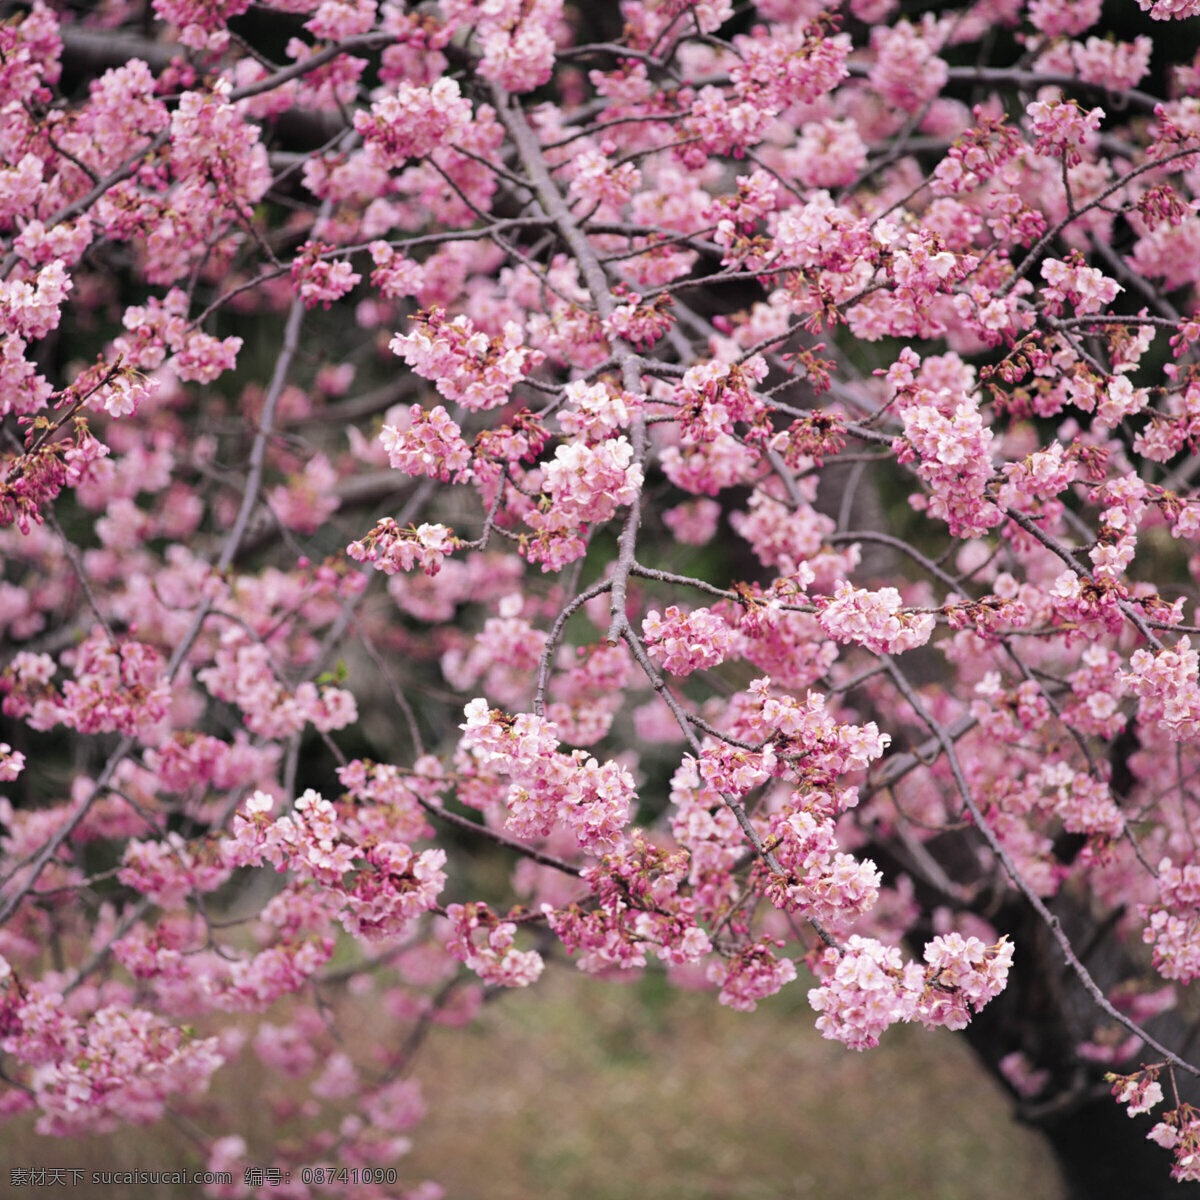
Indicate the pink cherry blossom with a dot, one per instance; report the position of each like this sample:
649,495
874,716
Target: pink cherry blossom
412,121
687,642
381,380
466,365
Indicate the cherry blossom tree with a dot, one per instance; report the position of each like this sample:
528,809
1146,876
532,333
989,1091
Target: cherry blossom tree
733,463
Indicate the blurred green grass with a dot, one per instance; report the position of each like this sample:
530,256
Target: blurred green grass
601,1091
588,1090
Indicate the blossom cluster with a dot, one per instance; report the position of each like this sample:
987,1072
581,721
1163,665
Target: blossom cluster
685,642
824,882
814,745
242,674
116,687
639,902
485,944
753,975
954,453
120,1065
581,485
1173,926
1063,128
874,620
390,549
868,987
413,121
467,366
517,39
391,885
547,787
1168,686
430,443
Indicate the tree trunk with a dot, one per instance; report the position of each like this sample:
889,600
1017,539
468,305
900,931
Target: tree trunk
1045,1012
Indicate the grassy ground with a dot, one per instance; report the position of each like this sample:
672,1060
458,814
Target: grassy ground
603,1092
593,1091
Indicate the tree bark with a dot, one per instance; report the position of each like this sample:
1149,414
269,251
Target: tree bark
1102,1152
